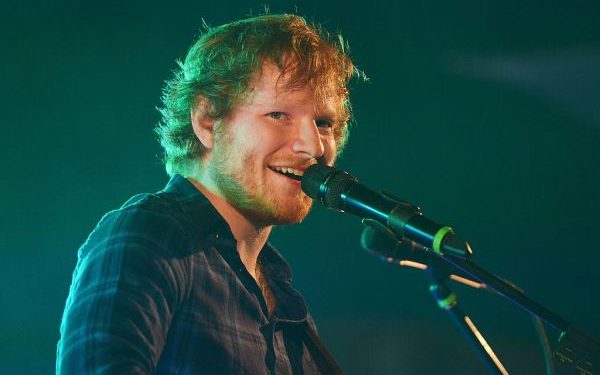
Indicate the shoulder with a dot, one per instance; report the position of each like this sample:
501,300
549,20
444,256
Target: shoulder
153,222
141,247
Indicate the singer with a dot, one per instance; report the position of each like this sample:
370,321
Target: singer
183,281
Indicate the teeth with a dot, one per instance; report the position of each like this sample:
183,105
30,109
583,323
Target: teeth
295,171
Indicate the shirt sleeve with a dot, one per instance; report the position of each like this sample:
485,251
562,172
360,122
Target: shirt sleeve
126,288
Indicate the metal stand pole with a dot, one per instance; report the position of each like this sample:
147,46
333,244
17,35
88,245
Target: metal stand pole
447,300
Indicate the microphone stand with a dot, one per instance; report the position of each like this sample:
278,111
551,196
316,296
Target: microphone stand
447,300
577,353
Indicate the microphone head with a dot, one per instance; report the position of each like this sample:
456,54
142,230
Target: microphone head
326,185
381,243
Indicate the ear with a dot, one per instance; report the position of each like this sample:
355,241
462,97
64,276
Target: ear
202,124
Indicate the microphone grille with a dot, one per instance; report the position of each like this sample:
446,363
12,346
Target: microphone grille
326,184
313,177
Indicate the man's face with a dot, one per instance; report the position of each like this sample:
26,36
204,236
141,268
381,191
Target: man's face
264,145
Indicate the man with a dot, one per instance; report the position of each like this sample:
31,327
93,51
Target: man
184,281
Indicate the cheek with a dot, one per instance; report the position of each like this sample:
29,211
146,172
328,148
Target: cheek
268,139
260,142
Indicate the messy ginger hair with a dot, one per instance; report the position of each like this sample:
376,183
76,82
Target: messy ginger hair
220,66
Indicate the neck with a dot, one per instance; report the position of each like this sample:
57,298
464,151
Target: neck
250,237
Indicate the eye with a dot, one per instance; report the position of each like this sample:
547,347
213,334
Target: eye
325,126
276,115
324,123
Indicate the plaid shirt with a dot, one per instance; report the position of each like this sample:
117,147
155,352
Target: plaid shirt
159,288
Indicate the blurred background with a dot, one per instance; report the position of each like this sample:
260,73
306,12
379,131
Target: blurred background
485,114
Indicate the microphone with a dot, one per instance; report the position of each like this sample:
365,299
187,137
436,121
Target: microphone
378,241
340,191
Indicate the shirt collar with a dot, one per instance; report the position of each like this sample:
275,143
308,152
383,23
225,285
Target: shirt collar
207,222
204,218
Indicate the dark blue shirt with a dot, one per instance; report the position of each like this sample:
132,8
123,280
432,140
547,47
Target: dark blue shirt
159,288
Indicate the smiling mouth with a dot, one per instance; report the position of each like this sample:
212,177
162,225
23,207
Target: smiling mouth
294,174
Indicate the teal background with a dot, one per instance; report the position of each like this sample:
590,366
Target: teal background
486,114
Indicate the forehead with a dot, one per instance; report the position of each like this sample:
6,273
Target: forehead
269,86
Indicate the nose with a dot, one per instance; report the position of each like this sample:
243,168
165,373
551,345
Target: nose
308,140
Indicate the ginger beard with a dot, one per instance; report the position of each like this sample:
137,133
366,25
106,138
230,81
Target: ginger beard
254,190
